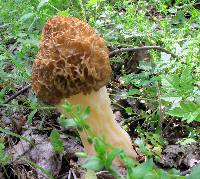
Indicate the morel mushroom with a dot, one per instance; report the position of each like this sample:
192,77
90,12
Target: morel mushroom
73,64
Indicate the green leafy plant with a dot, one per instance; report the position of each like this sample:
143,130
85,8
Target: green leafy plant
166,86
179,92
105,154
4,158
195,173
57,144
188,111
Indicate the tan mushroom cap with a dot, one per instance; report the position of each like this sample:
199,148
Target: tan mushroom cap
72,58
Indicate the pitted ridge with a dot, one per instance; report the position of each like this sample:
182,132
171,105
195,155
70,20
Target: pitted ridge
72,58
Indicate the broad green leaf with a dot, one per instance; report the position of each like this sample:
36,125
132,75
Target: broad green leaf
191,116
179,85
161,174
142,147
142,170
186,141
26,16
67,107
81,154
99,146
90,174
67,122
2,94
86,113
198,118
150,176
172,99
90,139
189,106
63,13
188,111
178,112
114,153
129,110
78,109
195,174
133,92
41,4
30,116
92,2
56,142
2,57
93,163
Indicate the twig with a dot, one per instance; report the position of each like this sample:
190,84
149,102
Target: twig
17,94
121,50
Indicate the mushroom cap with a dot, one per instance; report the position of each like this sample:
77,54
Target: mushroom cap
72,59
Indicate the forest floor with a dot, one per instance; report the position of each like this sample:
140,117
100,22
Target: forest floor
140,98
180,157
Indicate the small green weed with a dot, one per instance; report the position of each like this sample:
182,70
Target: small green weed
167,87
105,154
4,158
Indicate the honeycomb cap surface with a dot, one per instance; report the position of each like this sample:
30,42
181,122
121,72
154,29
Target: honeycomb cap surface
72,59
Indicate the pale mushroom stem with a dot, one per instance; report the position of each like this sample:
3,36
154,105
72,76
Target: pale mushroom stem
102,122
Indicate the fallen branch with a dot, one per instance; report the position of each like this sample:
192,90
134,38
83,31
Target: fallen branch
121,50
17,94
